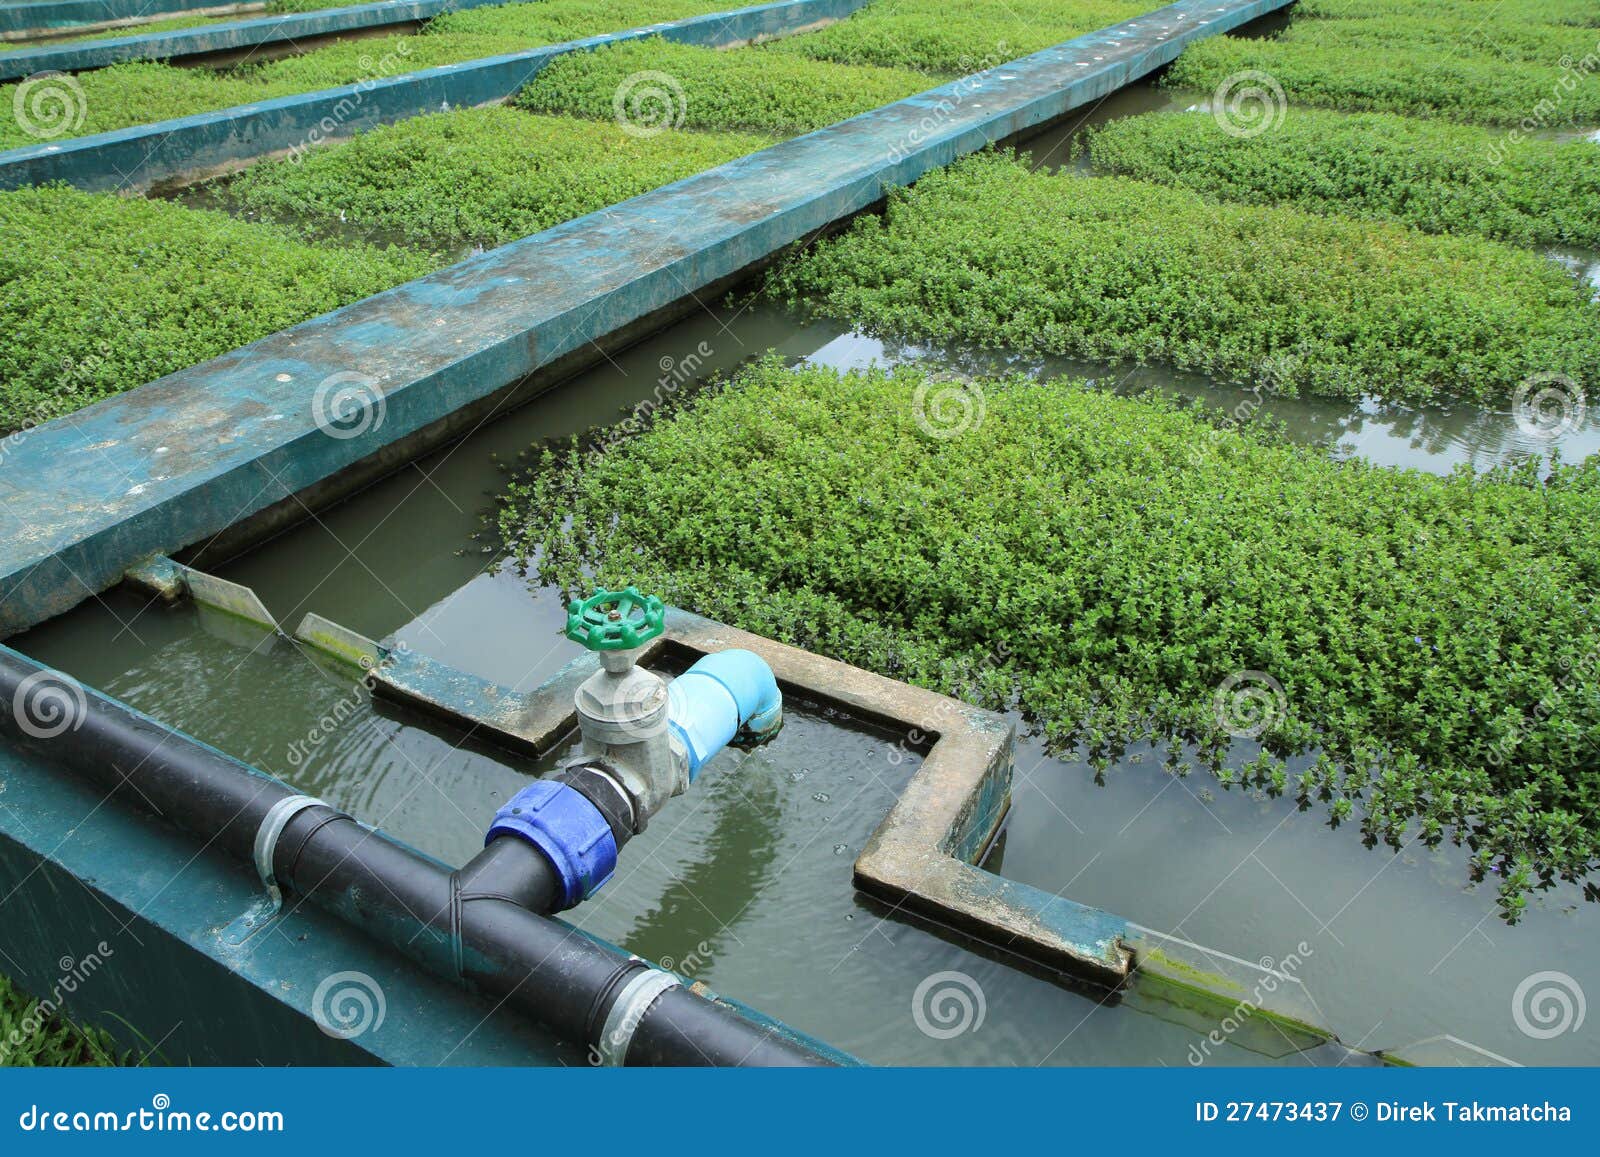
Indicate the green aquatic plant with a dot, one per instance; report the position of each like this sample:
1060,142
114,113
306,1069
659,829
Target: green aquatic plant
946,39
992,253
657,82
1522,63
143,92
99,294
1434,176
479,176
1121,568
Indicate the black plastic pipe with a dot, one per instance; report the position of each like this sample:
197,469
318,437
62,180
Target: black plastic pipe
479,925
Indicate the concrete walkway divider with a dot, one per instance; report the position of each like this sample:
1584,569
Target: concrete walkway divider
192,147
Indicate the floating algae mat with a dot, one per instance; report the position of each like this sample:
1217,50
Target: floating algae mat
102,293
941,38
525,173
758,88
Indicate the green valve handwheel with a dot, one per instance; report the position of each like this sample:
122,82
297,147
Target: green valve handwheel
616,620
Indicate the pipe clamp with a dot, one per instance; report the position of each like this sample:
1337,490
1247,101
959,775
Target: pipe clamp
272,825
627,1011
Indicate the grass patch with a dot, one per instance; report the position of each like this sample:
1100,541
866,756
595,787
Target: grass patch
143,92
481,176
990,253
1496,64
750,88
1438,177
1108,563
947,39
99,294
29,1040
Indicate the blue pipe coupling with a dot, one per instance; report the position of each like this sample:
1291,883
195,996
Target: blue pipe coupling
719,697
572,832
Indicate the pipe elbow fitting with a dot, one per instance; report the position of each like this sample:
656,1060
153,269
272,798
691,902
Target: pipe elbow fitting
720,697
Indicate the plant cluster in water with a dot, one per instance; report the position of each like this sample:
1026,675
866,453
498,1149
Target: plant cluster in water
1488,63
1431,175
1418,653
955,39
991,253
752,88
478,176
100,293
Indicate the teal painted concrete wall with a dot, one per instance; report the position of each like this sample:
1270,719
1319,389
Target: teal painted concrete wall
88,886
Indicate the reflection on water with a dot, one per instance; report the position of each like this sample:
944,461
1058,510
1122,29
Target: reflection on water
1435,438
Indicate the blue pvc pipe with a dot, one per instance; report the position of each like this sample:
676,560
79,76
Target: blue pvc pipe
710,702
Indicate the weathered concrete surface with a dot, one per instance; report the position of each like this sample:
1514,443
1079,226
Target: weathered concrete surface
208,143
71,15
223,36
181,459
